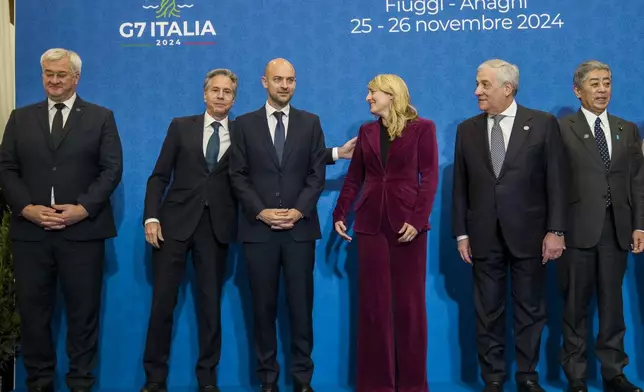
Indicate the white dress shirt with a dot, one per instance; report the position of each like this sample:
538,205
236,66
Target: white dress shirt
69,103
272,120
272,124
591,118
208,131
224,135
506,125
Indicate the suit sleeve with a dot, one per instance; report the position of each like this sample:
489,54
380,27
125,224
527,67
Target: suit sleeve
328,156
14,189
637,179
428,173
248,198
307,200
555,176
352,182
459,187
160,177
110,163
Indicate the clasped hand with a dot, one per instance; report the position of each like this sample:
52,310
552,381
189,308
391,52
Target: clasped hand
56,217
280,218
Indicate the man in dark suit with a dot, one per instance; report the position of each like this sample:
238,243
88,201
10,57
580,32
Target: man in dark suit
277,171
60,161
508,211
199,215
606,219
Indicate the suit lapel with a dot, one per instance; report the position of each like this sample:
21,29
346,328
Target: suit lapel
584,133
519,134
196,139
480,138
372,134
75,115
43,120
616,136
264,134
292,134
221,165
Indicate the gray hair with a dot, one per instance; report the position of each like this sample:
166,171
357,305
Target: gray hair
224,72
505,73
58,54
583,69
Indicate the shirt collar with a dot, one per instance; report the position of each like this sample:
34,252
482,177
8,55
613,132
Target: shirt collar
592,117
69,103
208,120
511,111
270,110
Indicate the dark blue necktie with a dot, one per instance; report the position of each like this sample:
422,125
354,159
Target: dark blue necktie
212,150
602,145
280,136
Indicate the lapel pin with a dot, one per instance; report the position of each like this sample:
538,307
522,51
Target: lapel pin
78,109
617,136
586,136
526,128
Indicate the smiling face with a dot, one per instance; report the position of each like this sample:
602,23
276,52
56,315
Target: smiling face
595,91
59,79
379,102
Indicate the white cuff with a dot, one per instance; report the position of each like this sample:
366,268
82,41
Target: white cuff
462,237
335,154
151,220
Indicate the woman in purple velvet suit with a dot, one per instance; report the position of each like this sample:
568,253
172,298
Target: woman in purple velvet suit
395,163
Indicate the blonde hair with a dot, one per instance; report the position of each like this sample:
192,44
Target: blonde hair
401,111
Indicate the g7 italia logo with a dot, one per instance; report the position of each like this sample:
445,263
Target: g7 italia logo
169,24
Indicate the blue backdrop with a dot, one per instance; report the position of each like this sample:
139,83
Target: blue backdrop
146,61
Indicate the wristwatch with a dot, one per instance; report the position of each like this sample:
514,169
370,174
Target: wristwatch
556,232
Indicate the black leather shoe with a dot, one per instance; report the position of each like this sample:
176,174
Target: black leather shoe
577,386
302,388
493,386
620,384
154,387
530,386
208,388
270,387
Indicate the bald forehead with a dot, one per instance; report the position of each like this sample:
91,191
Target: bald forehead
279,67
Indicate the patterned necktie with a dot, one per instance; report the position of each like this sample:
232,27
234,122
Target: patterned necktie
497,145
280,136
212,150
57,124
602,145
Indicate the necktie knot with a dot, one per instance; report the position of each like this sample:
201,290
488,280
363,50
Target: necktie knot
278,115
59,106
497,119
598,123
215,126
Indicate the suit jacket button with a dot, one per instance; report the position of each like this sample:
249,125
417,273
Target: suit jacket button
53,168
277,194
